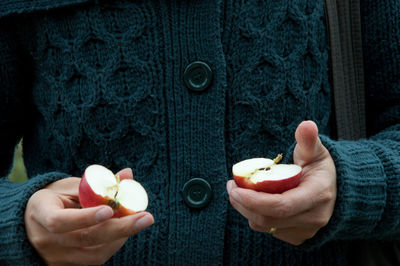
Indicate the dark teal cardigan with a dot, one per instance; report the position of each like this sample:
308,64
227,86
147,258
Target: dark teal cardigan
88,82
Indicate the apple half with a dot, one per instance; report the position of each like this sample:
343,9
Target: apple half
266,175
100,186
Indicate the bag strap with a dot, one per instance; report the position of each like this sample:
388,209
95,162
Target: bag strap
347,73
347,76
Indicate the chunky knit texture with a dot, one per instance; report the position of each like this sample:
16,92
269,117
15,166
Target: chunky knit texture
88,82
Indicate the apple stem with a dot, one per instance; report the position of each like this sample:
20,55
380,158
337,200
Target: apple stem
276,161
118,180
278,158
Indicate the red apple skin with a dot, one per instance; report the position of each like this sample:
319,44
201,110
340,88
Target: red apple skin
88,198
269,186
121,211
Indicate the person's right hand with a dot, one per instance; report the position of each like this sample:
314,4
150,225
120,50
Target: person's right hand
63,234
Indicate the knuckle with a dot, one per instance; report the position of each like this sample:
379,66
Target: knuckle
261,221
252,207
87,238
35,198
321,222
257,227
29,215
253,204
283,209
39,242
254,226
327,196
249,203
52,223
309,234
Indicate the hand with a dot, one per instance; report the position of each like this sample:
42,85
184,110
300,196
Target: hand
63,234
299,213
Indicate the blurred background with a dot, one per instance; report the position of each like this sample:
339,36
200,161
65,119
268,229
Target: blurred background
18,173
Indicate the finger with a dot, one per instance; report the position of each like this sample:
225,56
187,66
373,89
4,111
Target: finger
274,205
67,191
259,222
108,231
56,219
292,202
70,202
266,204
312,219
125,174
309,146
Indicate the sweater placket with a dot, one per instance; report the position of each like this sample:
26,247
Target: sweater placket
196,137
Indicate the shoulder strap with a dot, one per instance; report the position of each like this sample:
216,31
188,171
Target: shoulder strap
347,73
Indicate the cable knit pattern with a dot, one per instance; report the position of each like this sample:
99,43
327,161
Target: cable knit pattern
266,40
101,81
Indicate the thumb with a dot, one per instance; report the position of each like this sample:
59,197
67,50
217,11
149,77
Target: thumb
309,146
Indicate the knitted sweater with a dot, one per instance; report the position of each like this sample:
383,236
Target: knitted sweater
87,82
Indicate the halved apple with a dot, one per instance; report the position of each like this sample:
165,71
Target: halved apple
100,186
266,175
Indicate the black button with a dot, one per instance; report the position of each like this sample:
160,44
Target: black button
197,193
197,76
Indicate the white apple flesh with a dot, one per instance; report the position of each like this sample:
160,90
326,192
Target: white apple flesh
266,175
100,186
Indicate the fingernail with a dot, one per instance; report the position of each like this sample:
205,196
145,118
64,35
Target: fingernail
144,222
103,214
236,196
229,187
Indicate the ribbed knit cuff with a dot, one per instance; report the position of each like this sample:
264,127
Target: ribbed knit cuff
15,248
361,192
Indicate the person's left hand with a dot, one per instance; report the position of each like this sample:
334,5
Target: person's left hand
297,214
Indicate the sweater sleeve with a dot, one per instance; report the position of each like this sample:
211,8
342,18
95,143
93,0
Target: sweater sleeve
368,170
15,248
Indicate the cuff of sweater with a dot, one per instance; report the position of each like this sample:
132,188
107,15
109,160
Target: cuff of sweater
15,248
361,192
